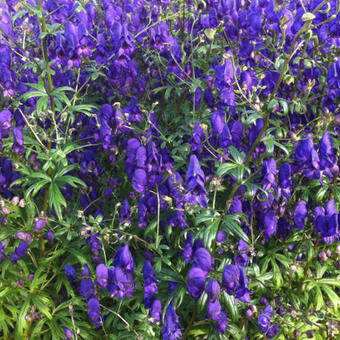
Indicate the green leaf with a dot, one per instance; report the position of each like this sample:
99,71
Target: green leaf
210,232
232,228
237,156
272,105
71,180
332,295
21,323
308,16
225,168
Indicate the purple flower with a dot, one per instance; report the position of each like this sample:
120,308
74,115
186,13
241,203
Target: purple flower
195,179
2,252
213,290
19,252
120,284
5,122
171,329
300,214
124,259
264,319
39,225
49,236
222,322
269,223
87,289
139,180
156,310
235,282
202,260
213,310
68,333
102,276
268,174
70,273
272,331
93,312
150,284
18,145
196,282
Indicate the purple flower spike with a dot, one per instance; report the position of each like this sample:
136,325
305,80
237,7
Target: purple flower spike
156,310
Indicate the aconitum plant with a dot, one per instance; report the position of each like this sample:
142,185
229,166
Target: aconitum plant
169,169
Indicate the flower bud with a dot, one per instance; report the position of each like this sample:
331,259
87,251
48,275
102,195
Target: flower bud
296,333
322,257
310,334
249,313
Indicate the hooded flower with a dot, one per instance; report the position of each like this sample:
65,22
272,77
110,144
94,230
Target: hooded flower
156,310
196,282
202,260
102,275
150,284
195,178
70,273
19,252
269,174
300,214
123,259
213,290
171,329
87,289
235,282
264,319
93,312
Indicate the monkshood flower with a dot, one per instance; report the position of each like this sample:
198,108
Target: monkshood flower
125,215
213,290
197,138
5,123
235,282
39,225
23,236
327,223
268,174
156,310
272,331
120,283
70,273
102,275
196,282
49,236
188,248
150,284
171,328
300,214
18,137
195,179
93,312
222,323
68,333
264,319
87,289
285,181
19,252
327,153
213,310
269,223
123,259
2,252
202,260
242,259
